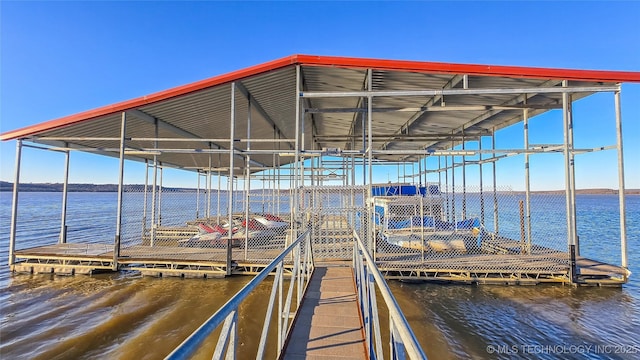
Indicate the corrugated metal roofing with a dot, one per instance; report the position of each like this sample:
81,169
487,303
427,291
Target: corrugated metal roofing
202,109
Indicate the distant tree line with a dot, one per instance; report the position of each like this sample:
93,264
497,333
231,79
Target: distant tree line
57,187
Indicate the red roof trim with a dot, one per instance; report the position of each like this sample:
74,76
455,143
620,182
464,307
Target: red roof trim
311,60
486,70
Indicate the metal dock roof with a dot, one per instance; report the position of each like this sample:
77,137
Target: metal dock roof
416,106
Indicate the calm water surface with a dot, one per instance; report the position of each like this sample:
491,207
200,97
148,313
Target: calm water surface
126,316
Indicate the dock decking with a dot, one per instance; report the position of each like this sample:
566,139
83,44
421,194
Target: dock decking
394,262
328,324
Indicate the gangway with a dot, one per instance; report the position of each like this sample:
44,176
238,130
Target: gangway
335,312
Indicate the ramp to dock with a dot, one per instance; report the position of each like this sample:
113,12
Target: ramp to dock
328,324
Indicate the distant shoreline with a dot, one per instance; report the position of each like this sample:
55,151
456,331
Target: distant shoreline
57,187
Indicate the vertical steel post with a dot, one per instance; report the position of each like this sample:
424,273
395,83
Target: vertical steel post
116,245
364,150
294,207
372,235
154,189
208,179
569,196
247,180
419,174
198,195
527,183
232,136
278,185
144,200
572,180
464,179
453,183
160,194
219,185
495,184
621,185
63,224
439,174
481,185
446,185
14,204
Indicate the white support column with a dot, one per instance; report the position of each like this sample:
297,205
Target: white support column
569,193
116,245
621,185
247,180
198,195
154,190
63,221
481,180
219,186
161,169
527,185
232,136
464,179
208,179
446,187
296,171
372,229
14,204
144,200
496,223
453,184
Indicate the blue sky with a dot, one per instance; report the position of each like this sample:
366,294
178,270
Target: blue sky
59,58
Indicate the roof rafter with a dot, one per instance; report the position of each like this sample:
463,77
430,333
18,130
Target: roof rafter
256,104
455,80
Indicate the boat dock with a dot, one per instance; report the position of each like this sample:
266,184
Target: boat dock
390,166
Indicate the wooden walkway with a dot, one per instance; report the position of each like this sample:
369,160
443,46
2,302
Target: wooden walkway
328,325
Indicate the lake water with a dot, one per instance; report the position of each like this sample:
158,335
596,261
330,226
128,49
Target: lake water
127,316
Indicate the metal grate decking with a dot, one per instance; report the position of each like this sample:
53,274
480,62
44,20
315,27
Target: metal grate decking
513,269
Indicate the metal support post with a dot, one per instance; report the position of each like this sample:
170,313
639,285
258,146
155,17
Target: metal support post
294,207
480,165
446,186
219,187
569,195
144,200
527,186
232,136
453,185
160,194
247,181
419,174
198,195
439,174
372,232
464,179
621,186
63,224
116,245
154,190
208,179
496,223
14,204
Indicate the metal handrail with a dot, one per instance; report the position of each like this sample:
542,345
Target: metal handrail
228,313
403,342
